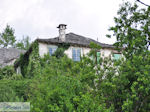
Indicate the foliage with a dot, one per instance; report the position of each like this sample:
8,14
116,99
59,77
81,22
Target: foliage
60,92
14,90
132,29
61,49
33,67
13,87
7,94
61,86
24,43
6,72
93,53
30,61
7,38
131,84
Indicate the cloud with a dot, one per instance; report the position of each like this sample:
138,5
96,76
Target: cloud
39,18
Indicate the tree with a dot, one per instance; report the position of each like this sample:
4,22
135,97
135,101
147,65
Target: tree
59,87
24,43
131,84
7,38
132,29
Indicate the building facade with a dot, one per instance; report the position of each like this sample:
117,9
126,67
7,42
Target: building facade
79,45
9,55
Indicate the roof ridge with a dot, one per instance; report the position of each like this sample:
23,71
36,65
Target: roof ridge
89,38
73,38
81,36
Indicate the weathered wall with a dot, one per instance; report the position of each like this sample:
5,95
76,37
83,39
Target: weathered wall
43,49
11,62
8,63
84,51
105,52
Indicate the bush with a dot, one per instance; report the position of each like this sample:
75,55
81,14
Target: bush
7,92
6,72
60,94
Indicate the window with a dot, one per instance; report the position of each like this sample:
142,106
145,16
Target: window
76,52
18,70
52,49
116,56
98,56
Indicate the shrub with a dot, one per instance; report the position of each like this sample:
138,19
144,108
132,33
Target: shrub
6,72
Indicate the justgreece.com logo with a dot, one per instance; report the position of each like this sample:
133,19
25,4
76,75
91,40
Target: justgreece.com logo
14,106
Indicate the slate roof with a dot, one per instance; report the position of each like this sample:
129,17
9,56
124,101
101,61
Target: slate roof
7,55
74,39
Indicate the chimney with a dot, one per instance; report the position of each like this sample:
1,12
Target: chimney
62,34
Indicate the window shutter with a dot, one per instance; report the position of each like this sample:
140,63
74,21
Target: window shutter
78,54
74,54
98,56
117,56
50,51
53,50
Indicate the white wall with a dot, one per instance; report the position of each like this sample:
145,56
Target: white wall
43,49
84,51
10,62
106,52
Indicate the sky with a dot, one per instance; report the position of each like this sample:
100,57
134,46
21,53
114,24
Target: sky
39,18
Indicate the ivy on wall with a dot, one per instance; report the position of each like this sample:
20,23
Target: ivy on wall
61,49
34,61
30,61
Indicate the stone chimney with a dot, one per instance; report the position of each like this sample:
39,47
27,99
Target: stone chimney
62,32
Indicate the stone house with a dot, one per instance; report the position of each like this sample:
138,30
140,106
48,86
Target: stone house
9,55
79,45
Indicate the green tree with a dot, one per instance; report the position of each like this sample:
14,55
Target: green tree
24,43
56,90
6,72
7,38
132,29
131,81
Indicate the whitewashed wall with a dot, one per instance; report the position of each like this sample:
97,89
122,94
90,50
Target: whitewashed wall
43,49
106,52
84,51
8,63
11,62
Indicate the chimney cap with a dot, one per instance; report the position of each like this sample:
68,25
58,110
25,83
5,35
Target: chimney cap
62,25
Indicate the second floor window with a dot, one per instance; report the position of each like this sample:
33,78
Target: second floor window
76,53
116,56
52,49
98,56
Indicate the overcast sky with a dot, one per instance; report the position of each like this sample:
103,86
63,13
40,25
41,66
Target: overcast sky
39,18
